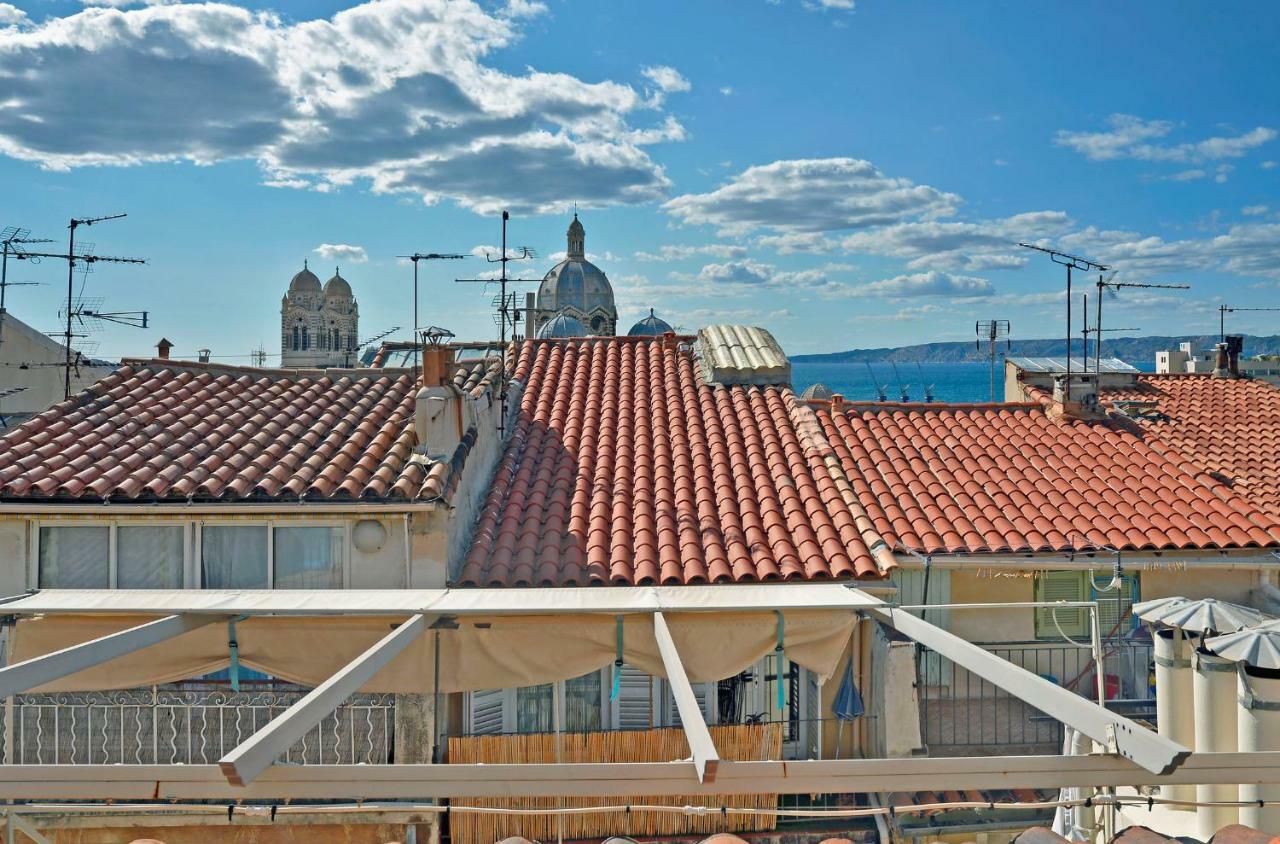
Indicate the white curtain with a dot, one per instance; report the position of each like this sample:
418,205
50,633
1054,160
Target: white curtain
75,557
308,558
234,557
149,557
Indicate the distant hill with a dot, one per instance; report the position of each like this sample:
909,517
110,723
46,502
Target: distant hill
1130,349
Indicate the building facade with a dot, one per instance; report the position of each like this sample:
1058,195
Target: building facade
577,290
318,324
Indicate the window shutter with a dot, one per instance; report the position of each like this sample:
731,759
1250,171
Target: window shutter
633,710
1111,610
487,712
1061,586
704,693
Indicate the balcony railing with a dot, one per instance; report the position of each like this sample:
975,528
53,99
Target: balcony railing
962,714
186,724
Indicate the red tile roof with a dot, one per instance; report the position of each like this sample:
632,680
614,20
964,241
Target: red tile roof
1008,478
624,466
1227,426
167,430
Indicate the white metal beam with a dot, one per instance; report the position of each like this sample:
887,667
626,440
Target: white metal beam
53,666
705,757
1129,739
658,779
260,750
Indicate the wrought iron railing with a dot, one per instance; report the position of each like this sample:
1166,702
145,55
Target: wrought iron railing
186,724
961,713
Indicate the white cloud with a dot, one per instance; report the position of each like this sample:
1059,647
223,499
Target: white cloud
1132,137
668,79
1254,210
907,314
727,90
679,252
12,16
793,242
1186,175
968,246
398,95
1268,165
930,283
343,252
747,272
811,195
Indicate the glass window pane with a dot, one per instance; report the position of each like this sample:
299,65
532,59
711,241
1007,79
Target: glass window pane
75,558
233,557
533,709
308,558
582,696
149,557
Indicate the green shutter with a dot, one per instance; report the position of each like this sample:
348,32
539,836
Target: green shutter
1061,586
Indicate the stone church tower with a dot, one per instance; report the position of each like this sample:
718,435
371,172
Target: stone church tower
318,325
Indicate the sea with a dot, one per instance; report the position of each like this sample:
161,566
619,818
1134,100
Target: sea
944,382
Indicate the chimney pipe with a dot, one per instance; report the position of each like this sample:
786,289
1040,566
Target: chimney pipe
1221,361
1235,345
437,365
203,355
163,347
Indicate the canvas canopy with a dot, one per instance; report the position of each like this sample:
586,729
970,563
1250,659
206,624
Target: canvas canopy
487,639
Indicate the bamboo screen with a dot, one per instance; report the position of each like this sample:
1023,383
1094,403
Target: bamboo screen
750,742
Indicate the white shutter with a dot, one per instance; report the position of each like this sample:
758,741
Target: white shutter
1061,586
634,709
704,693
487,712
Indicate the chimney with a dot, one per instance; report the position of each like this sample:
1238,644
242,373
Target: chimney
1083,403
437,365
203,355
1221,361
438,409
1235,345
531,315
163,348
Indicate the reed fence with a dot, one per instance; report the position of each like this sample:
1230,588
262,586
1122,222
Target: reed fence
748,742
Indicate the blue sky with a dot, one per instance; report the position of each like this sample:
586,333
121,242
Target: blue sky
848,176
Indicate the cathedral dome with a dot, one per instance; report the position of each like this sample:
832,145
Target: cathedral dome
305,281
650,326
337,286
579,288
817,392
562,325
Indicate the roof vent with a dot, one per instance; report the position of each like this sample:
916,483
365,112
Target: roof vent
741,354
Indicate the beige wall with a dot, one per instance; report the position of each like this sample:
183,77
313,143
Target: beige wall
1009,625
13,557
22,344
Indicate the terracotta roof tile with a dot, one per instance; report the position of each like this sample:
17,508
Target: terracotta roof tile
1008,478
625,466
170,430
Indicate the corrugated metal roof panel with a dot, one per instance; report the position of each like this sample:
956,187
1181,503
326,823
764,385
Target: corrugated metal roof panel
741,354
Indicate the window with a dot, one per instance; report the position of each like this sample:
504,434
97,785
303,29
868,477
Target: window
530,709
306,340
234,557
1114,617
149,557
308,557
297,338
75,557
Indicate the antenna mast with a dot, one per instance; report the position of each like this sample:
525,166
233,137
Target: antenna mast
11,239
413,326
507,313
1223,310
1071,262
1105,283
992,330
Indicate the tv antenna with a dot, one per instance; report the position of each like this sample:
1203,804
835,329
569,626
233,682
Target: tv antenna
416,257
375,338
1106,283
507,314
928,391
881,395
903,395
11,240
1071,262
259,356
1097,333
86,257
993,331
1223,310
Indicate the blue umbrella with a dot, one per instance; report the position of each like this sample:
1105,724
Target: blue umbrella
848,704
